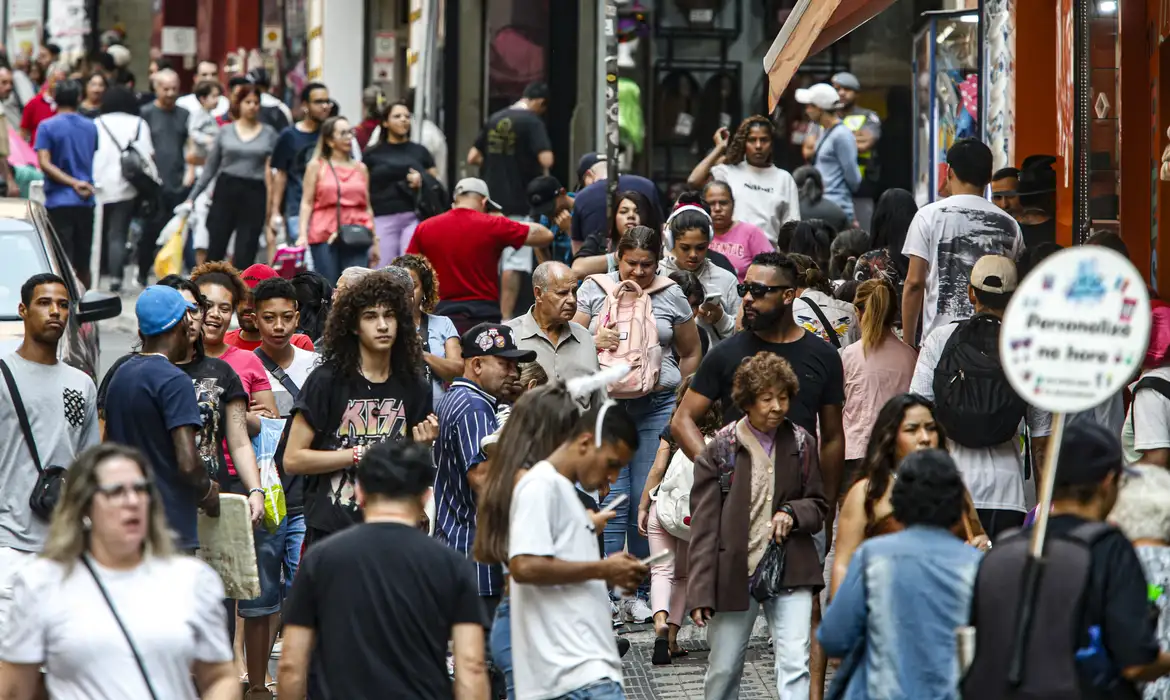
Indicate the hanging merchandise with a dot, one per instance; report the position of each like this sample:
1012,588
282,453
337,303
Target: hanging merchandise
700,13
676,103
720,106
632,126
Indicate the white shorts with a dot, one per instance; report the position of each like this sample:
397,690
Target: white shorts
12,562
517,259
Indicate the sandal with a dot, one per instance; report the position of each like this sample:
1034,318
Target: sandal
678,653
662,655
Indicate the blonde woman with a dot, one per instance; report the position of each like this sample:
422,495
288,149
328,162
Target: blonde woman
109,610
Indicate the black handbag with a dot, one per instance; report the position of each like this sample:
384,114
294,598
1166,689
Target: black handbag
50,480
349,235
765,583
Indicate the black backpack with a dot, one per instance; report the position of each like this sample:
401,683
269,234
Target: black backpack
973,399
135,169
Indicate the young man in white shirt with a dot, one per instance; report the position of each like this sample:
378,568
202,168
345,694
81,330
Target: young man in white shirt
562,640
765,195
947,237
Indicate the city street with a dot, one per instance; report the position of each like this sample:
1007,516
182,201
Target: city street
118,335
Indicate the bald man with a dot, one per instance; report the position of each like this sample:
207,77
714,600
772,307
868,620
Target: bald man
168,135
564,349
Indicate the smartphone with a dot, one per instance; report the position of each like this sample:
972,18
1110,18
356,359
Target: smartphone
716,297
617,501
656,558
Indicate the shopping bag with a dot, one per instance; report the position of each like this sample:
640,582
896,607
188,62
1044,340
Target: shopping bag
169,260
766,582
265,444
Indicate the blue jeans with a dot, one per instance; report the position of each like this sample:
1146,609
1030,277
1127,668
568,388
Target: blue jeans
293,540
650,413
331,260
601,690
500,641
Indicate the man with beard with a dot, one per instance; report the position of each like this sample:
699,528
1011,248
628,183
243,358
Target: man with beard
247,336
565,350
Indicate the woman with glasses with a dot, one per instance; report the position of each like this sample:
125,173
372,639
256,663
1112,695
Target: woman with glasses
396,176
109,610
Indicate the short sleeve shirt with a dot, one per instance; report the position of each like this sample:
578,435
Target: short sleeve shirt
440,329
1147,427
71,141
168,132
464,246
510,142
291,155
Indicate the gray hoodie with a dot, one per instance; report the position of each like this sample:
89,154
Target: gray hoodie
714,279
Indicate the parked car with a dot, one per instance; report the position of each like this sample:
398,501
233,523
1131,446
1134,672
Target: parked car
29,246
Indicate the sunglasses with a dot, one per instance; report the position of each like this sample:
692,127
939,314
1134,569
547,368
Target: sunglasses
758,290
119,492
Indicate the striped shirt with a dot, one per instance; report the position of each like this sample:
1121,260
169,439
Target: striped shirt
467,414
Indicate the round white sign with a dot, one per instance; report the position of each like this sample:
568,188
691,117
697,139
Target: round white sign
1076,329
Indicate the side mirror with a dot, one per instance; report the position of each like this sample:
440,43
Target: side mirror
98,306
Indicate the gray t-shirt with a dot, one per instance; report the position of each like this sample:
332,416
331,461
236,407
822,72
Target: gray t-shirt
168,133
61,403
231,155
671,308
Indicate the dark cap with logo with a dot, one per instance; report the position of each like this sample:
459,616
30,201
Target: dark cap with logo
542,195
1089,452
493,340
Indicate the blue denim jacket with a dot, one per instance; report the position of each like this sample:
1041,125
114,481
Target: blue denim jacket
907,593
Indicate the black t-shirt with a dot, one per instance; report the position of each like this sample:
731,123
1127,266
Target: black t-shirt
389,164
510,142
399,593
816,364
1035,234
345,411
216,385
589,206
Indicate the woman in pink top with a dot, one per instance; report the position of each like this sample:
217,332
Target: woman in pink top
738,241
334,175
876,369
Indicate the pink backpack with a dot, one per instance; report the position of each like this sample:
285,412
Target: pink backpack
629,308
289,260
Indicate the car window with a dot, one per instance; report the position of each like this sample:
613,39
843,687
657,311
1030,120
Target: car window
23,255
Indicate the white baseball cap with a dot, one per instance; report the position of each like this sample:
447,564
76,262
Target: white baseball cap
820,95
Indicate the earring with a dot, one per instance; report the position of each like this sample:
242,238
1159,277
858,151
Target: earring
86,523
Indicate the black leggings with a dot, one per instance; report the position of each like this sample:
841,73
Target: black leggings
238,205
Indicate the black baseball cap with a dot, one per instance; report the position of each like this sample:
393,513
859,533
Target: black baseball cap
1089,452
542,195
587,162
493,340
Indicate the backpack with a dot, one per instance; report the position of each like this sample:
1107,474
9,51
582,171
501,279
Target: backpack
674,496
629,308
135,168
1051,669
974,401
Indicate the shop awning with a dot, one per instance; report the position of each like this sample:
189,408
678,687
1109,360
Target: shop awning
811,26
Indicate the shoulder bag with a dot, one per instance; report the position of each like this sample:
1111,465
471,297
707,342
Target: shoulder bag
121,626
820,314
349,235
278,372
51,480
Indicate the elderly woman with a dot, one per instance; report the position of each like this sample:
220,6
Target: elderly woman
109,610
776,497
440,341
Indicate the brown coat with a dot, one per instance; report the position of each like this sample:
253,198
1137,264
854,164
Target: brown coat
718,553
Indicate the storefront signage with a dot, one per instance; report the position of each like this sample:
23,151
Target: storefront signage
385,46
316,43
1076,330
179,41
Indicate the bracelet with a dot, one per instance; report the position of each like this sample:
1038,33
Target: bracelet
210,486
252,491
358,452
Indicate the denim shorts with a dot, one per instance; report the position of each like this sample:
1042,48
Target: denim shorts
269,559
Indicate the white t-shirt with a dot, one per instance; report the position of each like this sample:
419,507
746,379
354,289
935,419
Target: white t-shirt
172,609
766,197
562,636
1147,427
951,235
994,475
303,363
126,129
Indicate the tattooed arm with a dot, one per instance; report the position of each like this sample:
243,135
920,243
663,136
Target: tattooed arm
243,457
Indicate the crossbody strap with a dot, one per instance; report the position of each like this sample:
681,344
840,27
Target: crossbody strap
821,142
278,372
121,626
21,414
829,330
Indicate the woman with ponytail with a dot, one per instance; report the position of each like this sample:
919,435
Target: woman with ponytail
832,320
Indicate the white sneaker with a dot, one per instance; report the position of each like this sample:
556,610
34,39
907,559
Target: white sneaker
636,610
616,614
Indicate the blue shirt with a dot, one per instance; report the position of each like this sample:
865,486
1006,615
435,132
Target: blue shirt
836,159
905,595
147,398
71,141
467,415
291,155
589,206
440,329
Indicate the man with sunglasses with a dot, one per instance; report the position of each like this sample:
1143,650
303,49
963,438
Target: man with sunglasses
291,155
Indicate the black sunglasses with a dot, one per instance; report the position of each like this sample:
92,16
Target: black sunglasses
758,290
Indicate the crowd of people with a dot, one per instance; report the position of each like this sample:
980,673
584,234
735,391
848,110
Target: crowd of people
732,409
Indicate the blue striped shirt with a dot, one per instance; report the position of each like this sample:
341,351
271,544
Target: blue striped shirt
467,414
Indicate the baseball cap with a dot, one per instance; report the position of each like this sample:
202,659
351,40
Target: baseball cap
160,309
820,95
255,274
473,185
1089,452
493,340
542,195
587,162
847,81
994,274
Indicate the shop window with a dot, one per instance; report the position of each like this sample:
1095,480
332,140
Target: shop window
516,38
1105,114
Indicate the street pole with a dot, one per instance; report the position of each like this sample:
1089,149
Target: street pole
611,110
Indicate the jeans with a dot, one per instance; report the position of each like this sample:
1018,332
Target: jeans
650,413
668,579
500,644
294,540
728,633
601,690
330,261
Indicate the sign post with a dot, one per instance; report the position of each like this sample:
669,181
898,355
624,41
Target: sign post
1073,336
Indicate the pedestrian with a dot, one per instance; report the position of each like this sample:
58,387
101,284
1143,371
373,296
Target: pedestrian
766,194
367,389
814,205
205,72
779,502
638,256
690,230
844,251
247,336
13,108
119,129
892,217
336,198
273,112
314,299
385,585
816,309
151,406
110,555
66,144
44,105
1005,185
552,207
591,205
168,134
464,245
738,241
564,348
512,150
396,168
835,153
291,157
94,90
947,237
867,132
992,470
696,295
442,351
563,645
890,578
596,254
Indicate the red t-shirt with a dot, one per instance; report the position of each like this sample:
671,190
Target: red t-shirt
233,339
36,111
464,247
252,376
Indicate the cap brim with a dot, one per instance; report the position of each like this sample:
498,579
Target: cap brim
492,205
517,354
545,209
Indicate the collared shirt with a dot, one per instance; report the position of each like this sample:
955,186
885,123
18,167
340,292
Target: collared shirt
574,355
467,414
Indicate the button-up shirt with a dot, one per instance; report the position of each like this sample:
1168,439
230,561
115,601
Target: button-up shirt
574,354
467,414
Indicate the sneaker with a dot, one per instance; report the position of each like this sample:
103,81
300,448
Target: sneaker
635,610
616,614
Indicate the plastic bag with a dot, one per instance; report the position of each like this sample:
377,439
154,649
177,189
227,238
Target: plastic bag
169,260
265,444
765,582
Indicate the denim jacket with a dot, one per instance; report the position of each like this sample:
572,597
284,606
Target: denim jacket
907,593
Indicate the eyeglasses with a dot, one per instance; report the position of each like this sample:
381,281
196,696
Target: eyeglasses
758,290
344,134
321,102
119,492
